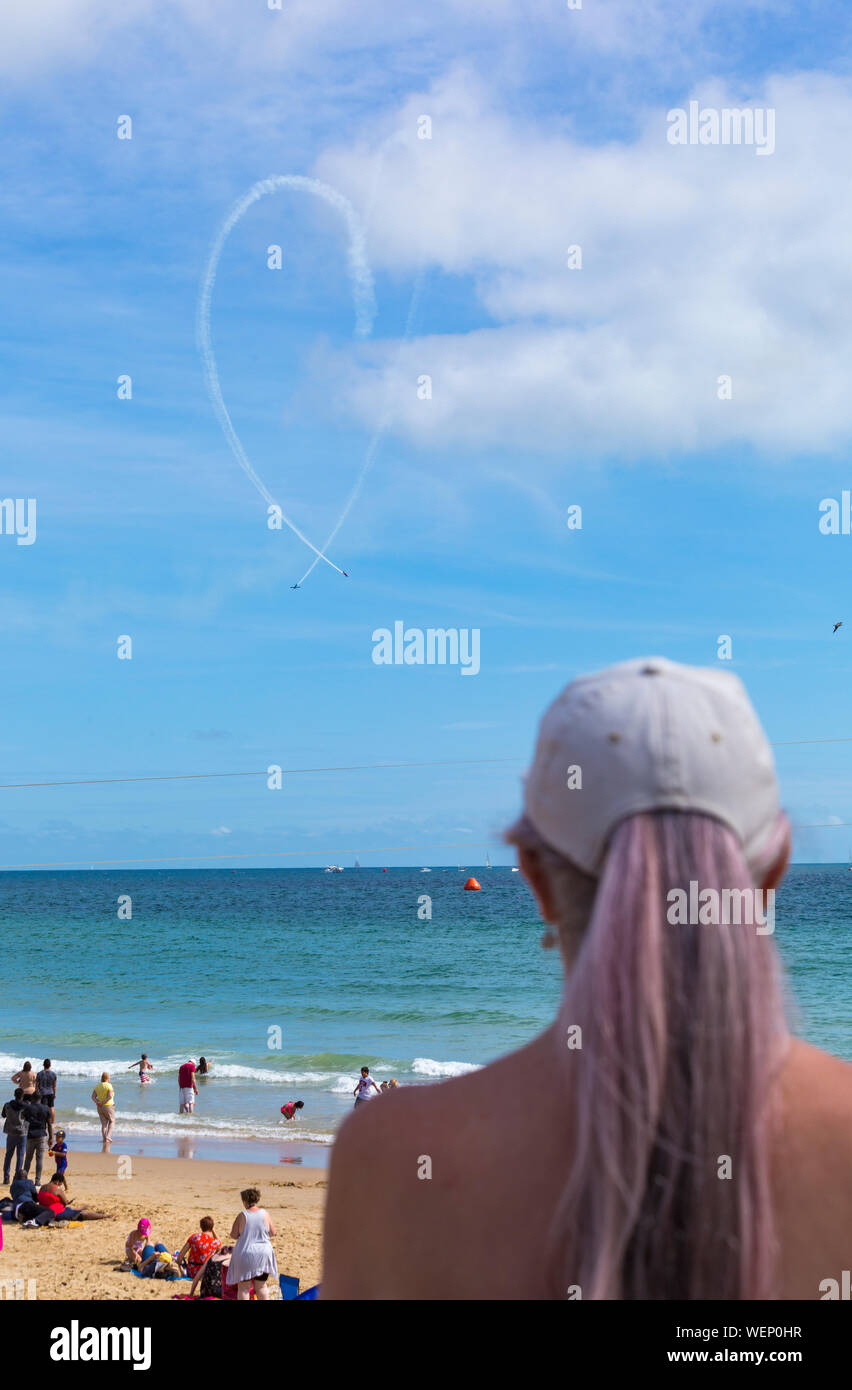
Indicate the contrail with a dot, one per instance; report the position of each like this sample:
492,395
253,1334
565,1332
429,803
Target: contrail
365,311
378,435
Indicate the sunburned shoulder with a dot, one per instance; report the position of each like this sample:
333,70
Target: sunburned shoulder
455,1113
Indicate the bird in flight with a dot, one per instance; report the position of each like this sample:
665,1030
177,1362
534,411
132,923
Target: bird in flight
836,626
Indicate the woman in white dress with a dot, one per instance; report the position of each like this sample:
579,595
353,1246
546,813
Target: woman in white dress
253,1260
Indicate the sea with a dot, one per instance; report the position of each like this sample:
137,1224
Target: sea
289,980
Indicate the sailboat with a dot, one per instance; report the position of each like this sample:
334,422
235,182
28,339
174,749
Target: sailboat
487,860
357,864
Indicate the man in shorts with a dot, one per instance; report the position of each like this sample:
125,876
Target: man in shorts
46,1087
188,1088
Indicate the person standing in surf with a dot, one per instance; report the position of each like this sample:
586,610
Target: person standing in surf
187,1087
143,1066
362,1090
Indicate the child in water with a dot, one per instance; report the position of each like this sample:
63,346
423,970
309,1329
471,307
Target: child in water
289,1110
143,1066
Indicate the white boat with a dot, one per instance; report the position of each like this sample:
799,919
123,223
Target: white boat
333,869
425,871
487,860
516,871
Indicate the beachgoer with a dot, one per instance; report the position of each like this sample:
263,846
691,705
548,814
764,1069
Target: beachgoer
383,1087
104,1097
26,1079
59,1151
15,1130
210,1280
143,1066
54,1197
199,1247
46,1088
24,1193
203,1066
289,1110
362,1090
158,1263
136,1241
253,1259
670,1047
393,1085
187,1087
37,1117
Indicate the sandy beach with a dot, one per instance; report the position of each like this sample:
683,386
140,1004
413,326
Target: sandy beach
82,1261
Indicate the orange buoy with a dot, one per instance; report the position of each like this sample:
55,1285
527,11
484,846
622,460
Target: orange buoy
472,886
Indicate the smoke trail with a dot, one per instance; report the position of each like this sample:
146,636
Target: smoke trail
365,311
378,434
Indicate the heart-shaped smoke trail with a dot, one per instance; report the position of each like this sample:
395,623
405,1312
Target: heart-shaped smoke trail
375,441
363,294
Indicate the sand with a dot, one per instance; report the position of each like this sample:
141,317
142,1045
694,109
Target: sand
174,1193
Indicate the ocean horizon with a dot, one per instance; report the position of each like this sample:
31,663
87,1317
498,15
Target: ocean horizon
289,980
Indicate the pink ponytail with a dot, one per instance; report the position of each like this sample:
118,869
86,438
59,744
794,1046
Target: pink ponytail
682,1029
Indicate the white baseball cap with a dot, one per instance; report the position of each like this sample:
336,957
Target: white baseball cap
649,735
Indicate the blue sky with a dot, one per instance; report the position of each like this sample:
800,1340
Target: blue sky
550,387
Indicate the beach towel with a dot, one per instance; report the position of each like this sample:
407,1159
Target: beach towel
309,1294
289,1287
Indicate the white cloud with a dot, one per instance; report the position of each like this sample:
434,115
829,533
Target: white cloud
698,262
221,830
409,38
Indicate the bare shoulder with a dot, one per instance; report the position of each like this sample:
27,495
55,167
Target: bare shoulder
458,1111
414,1181
818,1087
811,1165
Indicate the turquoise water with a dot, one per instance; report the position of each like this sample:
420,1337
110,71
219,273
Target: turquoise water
215,961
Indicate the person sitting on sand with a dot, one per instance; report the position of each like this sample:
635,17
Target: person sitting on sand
26,1079
210,1280
199,1247
670,1051
54,1196
253,1259
24,1194
136,1241
289,1110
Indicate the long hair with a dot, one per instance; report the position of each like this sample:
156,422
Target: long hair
681,1030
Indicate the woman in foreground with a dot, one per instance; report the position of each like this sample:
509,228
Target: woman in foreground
253,1258
669,1139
